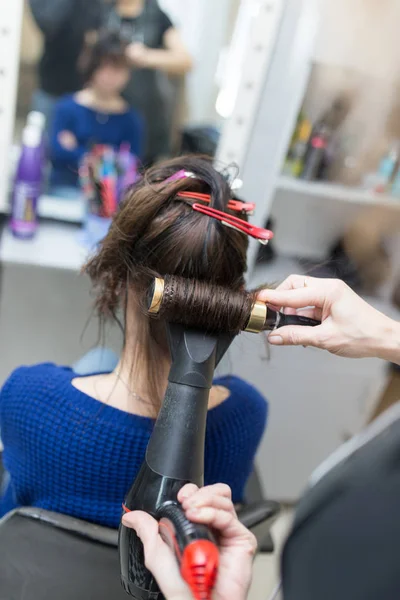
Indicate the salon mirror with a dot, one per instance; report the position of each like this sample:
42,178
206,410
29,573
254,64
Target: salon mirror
178,104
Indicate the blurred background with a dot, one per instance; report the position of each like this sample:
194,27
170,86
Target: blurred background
297,100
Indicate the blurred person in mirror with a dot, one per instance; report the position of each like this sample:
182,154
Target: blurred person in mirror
157,54
95,115
64,24
73,444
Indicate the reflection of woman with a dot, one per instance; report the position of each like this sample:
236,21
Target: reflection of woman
74,444
155,51
95,115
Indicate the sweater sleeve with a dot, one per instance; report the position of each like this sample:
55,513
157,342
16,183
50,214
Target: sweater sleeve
234,432
6,392
64,120
6,389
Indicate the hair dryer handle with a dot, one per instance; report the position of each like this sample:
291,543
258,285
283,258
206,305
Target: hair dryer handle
194,547
297,320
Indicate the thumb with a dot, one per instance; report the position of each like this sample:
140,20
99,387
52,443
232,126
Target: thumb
294,335
147,531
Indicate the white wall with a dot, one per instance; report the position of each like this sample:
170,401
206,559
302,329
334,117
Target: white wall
360,34
204,25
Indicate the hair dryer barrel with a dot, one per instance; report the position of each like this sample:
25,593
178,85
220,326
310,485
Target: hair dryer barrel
174,457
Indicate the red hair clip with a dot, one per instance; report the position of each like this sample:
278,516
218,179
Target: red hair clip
236,205
262,235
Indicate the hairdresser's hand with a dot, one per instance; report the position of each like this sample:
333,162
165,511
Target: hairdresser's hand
212,506
67,140
139,55
350,326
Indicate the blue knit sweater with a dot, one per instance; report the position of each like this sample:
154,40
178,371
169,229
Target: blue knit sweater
65,451
88,129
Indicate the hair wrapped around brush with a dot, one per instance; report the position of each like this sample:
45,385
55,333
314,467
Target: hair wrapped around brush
200,305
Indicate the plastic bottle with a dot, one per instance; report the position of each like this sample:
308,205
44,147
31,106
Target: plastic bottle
27,185
38,119
388,167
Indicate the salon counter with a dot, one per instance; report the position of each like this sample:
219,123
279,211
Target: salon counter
56,246
57,243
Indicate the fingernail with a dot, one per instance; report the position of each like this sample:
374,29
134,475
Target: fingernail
277,340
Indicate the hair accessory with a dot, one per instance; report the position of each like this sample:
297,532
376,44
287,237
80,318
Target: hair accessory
236,205
260,234
182,174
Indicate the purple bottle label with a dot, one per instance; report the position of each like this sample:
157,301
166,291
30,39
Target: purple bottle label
24,216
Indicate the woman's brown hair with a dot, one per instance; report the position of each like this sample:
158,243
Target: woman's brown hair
154,234
108,49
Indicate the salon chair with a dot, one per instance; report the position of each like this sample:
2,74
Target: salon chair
49,556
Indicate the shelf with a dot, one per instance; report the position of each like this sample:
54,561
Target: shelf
332,191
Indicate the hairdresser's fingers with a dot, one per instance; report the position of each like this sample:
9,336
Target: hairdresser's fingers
293,282
289,311
226,523
209,499
295,335
158,557
218,489
187,491
310,313
218,495
299,298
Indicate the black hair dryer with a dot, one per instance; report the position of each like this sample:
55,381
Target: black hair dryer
174,457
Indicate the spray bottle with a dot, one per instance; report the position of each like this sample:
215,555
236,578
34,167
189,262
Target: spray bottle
38,120
27,185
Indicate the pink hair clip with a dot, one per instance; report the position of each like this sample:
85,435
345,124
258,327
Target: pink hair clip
182,174
260,234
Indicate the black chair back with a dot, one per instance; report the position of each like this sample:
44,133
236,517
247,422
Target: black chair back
46,556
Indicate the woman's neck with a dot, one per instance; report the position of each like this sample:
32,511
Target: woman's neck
136,377
130,9
95,99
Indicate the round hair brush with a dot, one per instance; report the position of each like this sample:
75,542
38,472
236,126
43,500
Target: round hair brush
214,308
